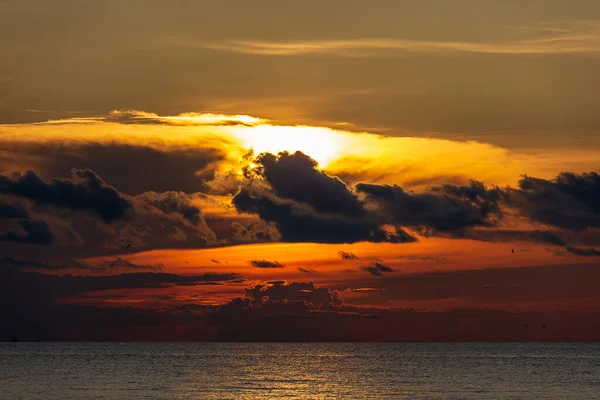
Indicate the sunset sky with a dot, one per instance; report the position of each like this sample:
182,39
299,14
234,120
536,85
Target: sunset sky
316,170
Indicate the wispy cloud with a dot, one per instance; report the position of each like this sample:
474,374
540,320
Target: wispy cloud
184,119
541,40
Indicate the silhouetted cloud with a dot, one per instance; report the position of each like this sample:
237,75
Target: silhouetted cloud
37,232
29,306
316,207
296,291
296,177
173,203
297,224
308,270
554,239
23,264
584,252
447,209
12,210
348,256
570,201
65,286
85,191
266,264
121,263
130,168
376,269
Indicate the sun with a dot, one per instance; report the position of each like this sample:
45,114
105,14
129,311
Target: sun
322,144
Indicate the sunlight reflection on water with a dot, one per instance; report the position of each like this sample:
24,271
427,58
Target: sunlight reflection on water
298,370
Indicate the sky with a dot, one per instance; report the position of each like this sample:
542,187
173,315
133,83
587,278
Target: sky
300,171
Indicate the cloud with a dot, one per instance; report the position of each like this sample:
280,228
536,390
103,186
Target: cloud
447,209
296,177
151,220
121,263
570,201
348,256
297,224
376,269
553,238
559,42
266,264
584,252
65,286
319,209
282,292
85,191
37,232
36,305
41,265
307,270
531,287
173,203
184,119
131,168
12,210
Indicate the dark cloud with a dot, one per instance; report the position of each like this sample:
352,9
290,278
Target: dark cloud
376,269
66,286
307,270
32,307
570,201
280,291
528,287
423,258
348,256
153,221
297,224
304,312
274,305
266,264
85,191
173,203
308,205
308,212
20,264
446,209
281,313
130,168
555,239
121,263
16,210
296,177
36,232
547,237
584,252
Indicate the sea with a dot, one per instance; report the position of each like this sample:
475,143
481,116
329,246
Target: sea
299,371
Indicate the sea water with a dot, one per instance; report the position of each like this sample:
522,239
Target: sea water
299,370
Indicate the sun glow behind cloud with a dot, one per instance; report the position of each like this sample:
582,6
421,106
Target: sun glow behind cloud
322,144
353,156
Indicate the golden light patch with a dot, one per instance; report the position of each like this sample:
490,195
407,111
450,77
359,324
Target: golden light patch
412,162
322,144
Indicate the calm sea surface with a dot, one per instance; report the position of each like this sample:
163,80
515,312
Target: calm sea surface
290,370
